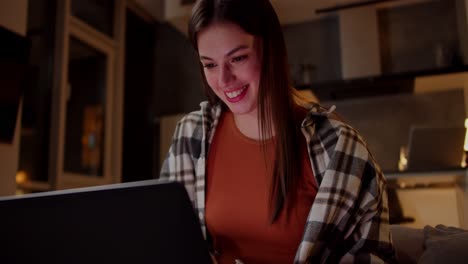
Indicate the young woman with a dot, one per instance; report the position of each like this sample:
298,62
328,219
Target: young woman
271,181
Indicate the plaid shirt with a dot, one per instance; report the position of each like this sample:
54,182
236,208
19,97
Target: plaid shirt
349,219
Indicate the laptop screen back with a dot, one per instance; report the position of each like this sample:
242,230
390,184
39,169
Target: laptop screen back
142,222
435,148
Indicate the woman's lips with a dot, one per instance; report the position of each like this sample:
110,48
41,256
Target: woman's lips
236,95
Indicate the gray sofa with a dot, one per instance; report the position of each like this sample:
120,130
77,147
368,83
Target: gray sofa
440,244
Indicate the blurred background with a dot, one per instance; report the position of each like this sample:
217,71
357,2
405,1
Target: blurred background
91,90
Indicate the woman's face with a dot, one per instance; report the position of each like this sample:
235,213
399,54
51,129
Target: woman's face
231,59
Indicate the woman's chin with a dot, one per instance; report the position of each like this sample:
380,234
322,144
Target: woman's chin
242,110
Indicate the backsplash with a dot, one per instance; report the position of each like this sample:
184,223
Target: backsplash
385,121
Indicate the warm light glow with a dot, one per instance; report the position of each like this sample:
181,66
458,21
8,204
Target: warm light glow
403,161
463,162
21,177
466,136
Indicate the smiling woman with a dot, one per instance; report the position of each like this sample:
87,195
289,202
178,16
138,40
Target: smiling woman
272,181
231,61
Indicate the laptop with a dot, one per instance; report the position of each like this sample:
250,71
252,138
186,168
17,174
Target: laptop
435,148
140,222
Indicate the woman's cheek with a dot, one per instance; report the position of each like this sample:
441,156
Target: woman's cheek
210,81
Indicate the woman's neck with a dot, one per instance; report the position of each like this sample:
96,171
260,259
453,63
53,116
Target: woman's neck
248,125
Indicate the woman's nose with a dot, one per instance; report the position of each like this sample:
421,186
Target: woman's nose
226,76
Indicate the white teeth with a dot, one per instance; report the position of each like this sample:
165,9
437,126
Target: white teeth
236,93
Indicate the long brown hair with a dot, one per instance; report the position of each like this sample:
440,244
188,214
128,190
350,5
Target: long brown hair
275,100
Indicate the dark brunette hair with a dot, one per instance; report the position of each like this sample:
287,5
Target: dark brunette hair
275,96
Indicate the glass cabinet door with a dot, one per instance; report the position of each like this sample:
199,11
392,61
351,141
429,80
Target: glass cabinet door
85,116
72,119
71,133
99,14
88,93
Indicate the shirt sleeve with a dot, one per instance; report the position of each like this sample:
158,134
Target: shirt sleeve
178,164
348,221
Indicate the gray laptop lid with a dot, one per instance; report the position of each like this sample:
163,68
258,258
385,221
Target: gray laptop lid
435,148
141,222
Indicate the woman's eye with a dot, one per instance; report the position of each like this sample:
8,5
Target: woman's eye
240,58
209,65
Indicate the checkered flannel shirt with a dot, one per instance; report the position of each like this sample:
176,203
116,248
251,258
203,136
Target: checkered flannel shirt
349,219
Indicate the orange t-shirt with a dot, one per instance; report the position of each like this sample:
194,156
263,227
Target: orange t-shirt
238,194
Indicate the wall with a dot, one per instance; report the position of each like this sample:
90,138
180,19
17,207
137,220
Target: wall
177,14
154,7
13,16
315,43
462,22
138,130
177,74
443,82
177,83
431,84
385,121
378,39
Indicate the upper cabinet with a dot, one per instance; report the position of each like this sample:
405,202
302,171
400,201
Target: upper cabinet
99,14
176,12
88,93
394,39
72,118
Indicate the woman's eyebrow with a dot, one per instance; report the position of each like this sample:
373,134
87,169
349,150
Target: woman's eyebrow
241,47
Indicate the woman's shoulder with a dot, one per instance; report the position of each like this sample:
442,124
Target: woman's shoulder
319,115
328,124
329,134
196,120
